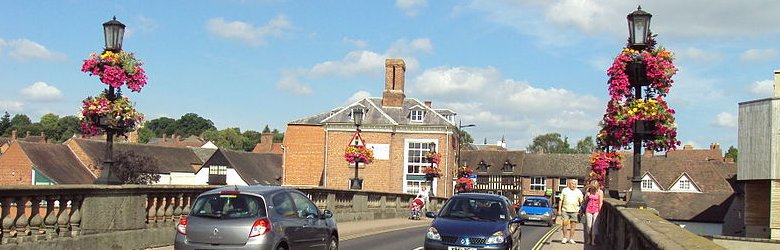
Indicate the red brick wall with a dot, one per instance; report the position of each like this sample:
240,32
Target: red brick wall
304,157
15,167
92,166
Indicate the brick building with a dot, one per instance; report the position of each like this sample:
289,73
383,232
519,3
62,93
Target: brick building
29,163
399,129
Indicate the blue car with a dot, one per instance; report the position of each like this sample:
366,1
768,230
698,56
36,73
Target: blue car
537,209
473,221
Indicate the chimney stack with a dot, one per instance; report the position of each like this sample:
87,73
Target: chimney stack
393,95
267,141
13,135
428,103
27,134
777,83
687,147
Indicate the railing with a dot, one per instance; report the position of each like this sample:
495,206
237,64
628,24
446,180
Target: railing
630,228
139,216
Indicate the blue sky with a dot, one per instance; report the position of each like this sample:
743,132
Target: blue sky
516,69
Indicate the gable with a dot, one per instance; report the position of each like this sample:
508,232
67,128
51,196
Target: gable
684,184
650,184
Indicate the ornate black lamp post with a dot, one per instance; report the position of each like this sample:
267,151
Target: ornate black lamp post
638,31
357,117
114,32
429,176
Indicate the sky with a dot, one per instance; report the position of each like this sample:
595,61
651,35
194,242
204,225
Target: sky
515,69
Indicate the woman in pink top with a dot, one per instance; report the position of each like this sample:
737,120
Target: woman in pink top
595,200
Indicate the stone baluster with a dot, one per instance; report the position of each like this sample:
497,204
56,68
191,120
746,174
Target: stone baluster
8,220
63,218
160,214
150,211
22,227
75,215
50,221
169,203
177,207
35,219
188,197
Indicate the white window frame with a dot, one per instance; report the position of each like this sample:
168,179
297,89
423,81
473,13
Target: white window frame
647,184
654,185
217,170
684,184
535,183
417,115
416,166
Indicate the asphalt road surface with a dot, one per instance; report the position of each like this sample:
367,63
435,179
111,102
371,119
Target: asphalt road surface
415,237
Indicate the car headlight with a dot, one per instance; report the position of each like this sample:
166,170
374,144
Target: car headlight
546,214
433,234
496,238
522,212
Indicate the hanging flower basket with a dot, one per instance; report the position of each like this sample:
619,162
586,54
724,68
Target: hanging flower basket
433,157
464,183
116,69
358,153
431,172
659,70
99,113
617,127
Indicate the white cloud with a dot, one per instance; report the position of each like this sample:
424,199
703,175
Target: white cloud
11,106
509,107
763,88
246,32
358,62
290,83
699,55
23,50
356,97
754,55
411,7
41,91
726,120
360,44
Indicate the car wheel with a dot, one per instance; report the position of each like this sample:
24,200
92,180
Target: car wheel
333,243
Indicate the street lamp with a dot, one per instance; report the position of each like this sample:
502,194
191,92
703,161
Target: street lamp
113,31
638,31
460,140
357,118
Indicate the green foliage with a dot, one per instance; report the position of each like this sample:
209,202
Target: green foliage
162,125
145,134
192,124
732,153
5,125
465,138
278,137
585,146
131,168
229,138
67,127
251,138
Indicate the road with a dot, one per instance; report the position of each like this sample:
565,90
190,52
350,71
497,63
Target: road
414,238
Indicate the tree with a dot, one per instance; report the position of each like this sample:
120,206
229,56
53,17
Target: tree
68,126
192,124
49,126
586,145
162,125
145,135
131,168
465,138
550,143
21,123
5,124
251,138
229,138
278,137
732,153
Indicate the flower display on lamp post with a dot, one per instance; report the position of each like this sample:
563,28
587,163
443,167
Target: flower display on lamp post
463,182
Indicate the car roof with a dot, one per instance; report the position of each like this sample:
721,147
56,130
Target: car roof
258,189
536,198
479,196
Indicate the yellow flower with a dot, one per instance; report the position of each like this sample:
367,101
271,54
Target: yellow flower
634,110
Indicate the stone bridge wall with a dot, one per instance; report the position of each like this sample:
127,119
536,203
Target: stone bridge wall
140,216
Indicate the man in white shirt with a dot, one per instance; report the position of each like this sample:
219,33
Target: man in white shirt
423,195
568,208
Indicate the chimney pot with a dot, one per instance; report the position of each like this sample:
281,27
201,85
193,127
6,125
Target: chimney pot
27,134
428,103
777,83
395,71
13,135
687,147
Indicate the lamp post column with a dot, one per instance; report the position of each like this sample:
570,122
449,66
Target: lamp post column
357,117
113,31
636,200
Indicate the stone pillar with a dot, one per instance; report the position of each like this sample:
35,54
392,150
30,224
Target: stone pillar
35,218
75,215
50,221
150,211
63,220
8,220
21,225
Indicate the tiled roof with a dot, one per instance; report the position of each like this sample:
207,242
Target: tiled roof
378,115
57,162
203,153
33,138
170,159
256,168
564,165
4,140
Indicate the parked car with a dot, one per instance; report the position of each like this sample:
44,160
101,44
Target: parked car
537,209
474,221
256,217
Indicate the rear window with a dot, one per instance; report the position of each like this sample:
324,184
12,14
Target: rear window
228,206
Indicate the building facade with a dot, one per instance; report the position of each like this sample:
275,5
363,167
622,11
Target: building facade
400,131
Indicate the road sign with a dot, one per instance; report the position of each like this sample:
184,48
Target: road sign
357,140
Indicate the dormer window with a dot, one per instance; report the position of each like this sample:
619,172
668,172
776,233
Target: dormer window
684,184
508,167
482,167
417,115
650,184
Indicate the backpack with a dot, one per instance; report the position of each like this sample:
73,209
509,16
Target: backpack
584,204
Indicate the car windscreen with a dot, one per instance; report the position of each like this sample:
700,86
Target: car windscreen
474,209
228,206
535,203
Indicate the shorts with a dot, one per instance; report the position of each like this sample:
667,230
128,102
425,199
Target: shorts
570,216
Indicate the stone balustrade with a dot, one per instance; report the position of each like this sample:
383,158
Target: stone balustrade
631,228
141,216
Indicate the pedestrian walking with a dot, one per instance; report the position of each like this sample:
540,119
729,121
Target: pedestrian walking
568,209
595,198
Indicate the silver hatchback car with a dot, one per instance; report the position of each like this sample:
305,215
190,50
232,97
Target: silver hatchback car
256,217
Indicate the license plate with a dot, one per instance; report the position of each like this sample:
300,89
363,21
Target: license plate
460,248
534,218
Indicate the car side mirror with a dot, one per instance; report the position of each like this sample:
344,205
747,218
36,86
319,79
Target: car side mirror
326,214
516,220
430,215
